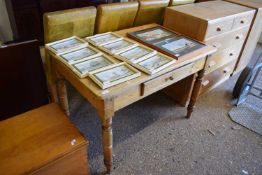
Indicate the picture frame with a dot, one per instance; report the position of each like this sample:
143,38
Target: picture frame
66,45
104,38
118,46
178,46
79,54
155,63
114,75
83,68
152,35
135,54
165,43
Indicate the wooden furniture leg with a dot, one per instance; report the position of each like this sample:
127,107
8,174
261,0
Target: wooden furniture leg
195,93
106,114
62,94
107,136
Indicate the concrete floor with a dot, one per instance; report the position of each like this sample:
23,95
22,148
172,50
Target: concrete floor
153,137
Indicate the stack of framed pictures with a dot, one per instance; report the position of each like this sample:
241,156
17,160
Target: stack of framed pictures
166,41
111,43
102,39
145,59
114,75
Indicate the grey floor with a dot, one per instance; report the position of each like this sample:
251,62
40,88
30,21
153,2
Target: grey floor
153,137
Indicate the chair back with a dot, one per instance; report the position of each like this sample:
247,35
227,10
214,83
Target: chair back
150,11
23,82
66,23
115,16
180,2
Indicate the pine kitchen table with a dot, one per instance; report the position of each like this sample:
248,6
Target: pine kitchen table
110,100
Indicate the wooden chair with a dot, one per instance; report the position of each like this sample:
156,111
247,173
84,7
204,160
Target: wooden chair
180,2
23,82
150,11
115,16
66,23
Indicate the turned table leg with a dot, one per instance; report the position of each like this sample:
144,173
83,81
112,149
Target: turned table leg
107,137
62,94
195,93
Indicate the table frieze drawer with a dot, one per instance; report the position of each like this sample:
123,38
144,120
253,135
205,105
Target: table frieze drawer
169,78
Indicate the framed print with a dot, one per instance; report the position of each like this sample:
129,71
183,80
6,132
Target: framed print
166,41
66,45
178,46
83,68
79,54
135,54
118,46
155,63
114,75
102,39
152,35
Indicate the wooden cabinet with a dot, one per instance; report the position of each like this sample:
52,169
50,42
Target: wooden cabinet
254,33
223,25
42,141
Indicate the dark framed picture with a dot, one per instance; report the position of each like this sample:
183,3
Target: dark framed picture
152,35
178,46
166,41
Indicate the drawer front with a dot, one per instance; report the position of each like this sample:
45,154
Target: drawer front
222,57
219,26
171,77
243,20
218,76
228,39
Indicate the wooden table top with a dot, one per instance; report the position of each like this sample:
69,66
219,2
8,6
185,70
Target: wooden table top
87,84
33,139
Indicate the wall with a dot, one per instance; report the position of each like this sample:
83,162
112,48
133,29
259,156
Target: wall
5,28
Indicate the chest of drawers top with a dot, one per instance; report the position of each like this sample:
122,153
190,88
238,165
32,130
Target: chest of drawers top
256,4
212,10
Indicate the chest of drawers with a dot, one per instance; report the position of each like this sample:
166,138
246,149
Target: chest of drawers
221,24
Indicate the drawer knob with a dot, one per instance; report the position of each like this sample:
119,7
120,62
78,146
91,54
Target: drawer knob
237,37
219,29
226,70
171,78
242,21
231,54
211,64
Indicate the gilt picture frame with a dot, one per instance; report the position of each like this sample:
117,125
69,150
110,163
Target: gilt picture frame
104,38
114,75
155,63
66,45
79,54
83,68
118,46
135,54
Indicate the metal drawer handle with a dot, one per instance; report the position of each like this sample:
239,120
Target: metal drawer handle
205,83
219,29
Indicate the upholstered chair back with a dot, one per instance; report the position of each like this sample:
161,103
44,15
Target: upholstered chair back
180,2
115,16
150,11
66,23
